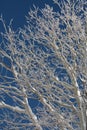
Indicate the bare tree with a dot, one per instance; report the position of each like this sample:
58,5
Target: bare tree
43,70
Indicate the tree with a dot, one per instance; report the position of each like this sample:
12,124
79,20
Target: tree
43,75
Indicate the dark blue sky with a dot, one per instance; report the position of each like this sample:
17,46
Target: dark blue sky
17,9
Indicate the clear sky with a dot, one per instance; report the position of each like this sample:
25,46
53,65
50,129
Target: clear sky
17,9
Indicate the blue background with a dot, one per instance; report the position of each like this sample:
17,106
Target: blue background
18,9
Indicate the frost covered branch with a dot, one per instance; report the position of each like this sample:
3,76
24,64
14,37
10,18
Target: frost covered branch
43,69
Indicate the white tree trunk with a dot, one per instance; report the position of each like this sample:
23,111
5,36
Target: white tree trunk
43,70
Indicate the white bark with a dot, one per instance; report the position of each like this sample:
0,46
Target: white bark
46,64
